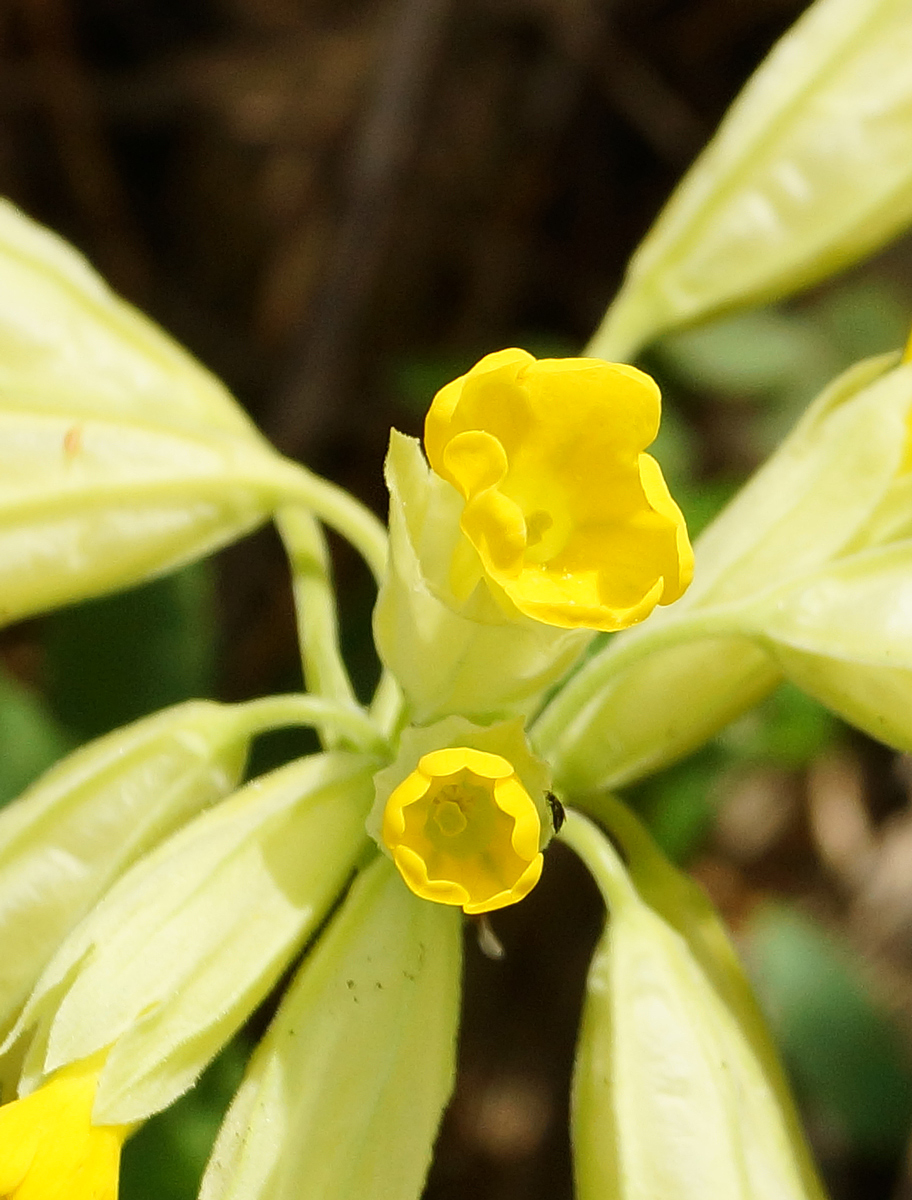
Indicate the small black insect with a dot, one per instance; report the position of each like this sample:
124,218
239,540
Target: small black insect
558,815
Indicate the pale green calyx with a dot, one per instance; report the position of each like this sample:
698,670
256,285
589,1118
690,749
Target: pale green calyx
185,945
810,171
120,456
473,653
75,831
844,634
343,1096
664,1064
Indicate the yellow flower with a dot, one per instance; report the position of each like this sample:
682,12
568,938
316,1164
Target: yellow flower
49,1148
463,830
566,512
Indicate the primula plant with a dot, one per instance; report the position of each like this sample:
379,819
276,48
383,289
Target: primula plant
546,634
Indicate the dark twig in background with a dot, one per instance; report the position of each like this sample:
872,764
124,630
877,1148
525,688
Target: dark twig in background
386,143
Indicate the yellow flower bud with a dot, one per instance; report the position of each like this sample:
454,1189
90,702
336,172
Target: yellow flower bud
567,514
49,1146
463,830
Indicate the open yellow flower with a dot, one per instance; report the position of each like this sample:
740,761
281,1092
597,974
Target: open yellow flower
568,515
49,1148
463,830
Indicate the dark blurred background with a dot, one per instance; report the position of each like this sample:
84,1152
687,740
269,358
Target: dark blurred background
338,206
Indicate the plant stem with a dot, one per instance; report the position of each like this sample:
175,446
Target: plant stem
335,507
315,606
299,708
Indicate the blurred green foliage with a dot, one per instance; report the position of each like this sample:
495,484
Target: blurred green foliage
166,1158
117,658
770,363
31,739
850,1065
108,662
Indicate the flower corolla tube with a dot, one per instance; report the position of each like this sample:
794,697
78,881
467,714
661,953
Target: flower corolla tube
463,830
567,514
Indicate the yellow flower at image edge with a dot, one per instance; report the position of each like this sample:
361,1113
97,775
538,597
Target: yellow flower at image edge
49,1148
567,514
463,830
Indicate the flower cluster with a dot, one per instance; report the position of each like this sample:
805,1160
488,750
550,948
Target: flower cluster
151,899
553,519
